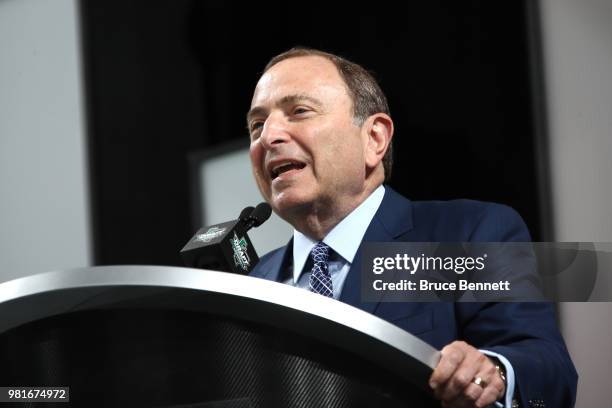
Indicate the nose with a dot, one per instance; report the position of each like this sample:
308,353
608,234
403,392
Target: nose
274,132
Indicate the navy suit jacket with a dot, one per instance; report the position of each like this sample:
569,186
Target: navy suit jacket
525,333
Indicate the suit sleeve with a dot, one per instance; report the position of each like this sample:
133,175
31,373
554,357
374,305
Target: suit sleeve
525,333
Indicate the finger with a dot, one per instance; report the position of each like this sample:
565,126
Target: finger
471,394
467,398
498,384
494,381
489,396
452,356
498,388
473,363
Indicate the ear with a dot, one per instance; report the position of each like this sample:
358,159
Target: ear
377,131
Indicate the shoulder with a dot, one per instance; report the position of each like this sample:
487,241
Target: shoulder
268,262
470,220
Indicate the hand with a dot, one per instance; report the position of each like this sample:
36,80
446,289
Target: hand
453,378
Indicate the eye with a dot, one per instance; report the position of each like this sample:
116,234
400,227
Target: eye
300,110
255,125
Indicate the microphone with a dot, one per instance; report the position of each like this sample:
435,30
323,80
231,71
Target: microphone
244,214
226,246
258,216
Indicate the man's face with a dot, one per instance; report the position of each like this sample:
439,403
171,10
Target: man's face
306,150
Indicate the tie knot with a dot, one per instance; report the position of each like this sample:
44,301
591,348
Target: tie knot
320,253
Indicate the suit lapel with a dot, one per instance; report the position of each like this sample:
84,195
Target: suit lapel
391,221
273,268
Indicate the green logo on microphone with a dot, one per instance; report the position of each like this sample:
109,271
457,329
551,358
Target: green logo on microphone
239,247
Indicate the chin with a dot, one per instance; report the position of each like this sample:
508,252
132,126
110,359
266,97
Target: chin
286,203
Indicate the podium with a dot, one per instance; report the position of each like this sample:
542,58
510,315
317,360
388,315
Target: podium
176,337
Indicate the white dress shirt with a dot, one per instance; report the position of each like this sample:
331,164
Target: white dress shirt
344,240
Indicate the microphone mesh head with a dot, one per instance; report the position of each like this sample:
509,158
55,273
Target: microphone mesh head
246,212
261,213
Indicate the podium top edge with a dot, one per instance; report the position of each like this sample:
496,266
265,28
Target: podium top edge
20,299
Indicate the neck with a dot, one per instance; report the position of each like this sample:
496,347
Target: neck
318,219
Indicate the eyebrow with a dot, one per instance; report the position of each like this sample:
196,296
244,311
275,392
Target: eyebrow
293,98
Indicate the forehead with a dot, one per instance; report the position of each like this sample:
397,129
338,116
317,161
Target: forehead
308,75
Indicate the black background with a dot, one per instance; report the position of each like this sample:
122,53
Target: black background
167,78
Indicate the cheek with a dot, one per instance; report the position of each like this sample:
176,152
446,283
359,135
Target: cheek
256,153
346,158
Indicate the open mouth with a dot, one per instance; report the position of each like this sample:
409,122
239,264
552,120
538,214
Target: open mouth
285,167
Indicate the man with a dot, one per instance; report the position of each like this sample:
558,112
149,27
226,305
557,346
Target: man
321,149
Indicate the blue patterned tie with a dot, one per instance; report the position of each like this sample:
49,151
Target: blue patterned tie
320,279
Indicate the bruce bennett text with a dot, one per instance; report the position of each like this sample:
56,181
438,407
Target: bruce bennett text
425,285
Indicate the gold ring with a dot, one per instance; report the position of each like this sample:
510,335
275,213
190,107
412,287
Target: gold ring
479,381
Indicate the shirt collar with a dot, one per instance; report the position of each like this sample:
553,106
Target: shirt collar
344,238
